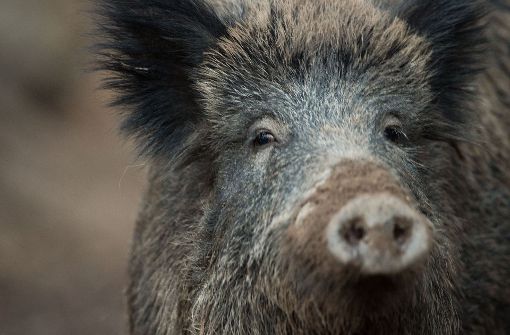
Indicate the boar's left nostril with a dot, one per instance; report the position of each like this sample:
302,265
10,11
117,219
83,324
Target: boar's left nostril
401,230
353,231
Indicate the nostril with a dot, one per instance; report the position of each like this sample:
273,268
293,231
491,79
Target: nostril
353,230
379,235
401,229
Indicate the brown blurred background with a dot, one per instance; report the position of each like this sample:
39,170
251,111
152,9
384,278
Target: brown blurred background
69,186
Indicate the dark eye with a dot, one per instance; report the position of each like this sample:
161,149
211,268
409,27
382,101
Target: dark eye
264,137
394,134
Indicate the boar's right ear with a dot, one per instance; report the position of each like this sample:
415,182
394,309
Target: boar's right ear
455,31
151,49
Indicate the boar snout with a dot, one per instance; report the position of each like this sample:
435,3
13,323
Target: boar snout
361,222
379,234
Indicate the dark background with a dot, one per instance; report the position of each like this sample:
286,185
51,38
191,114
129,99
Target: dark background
69,185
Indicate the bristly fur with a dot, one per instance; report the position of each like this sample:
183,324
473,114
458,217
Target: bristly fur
457,36
151,48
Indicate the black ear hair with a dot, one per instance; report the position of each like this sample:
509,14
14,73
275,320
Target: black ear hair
151,49
455,30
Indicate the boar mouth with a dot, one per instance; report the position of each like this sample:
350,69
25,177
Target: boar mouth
374,290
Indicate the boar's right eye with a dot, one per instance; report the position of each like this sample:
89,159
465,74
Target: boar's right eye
264,137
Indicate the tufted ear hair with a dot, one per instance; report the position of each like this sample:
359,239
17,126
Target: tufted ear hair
151,49
455,30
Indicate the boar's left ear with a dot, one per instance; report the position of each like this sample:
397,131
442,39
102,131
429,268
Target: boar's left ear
455,30
151,50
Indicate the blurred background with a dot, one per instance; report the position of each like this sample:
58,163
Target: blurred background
69,185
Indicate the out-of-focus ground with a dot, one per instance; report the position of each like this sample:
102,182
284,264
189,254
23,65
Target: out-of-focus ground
68,198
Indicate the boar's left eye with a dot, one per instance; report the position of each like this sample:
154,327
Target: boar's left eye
395,134
264,137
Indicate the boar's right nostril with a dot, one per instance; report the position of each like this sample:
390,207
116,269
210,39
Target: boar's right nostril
353,231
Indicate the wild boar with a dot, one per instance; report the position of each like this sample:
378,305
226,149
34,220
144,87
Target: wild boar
317,166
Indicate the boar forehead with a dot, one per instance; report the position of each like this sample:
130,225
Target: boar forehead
325,57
